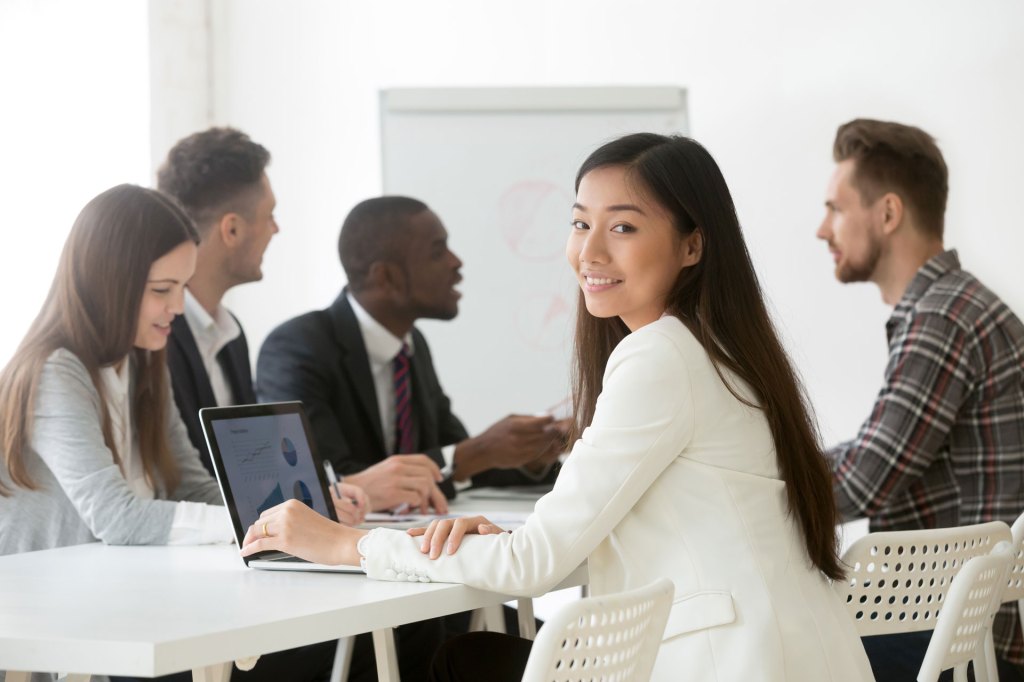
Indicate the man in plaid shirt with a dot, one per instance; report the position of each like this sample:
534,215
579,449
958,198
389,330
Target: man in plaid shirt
944,443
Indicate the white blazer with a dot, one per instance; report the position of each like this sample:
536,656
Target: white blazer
674,477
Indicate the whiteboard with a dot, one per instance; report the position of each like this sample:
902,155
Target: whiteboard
498,165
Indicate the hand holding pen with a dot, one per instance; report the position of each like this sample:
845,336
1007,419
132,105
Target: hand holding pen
350,501
405,508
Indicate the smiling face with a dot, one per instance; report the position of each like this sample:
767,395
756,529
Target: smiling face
624,249
431,269
852,229
164,296
256,227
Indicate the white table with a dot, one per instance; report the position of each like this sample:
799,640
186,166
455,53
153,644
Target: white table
147,611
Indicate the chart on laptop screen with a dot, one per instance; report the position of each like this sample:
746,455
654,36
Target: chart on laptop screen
267,461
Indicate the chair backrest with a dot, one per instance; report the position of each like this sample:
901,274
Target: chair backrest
614,638
1015,580
896,581
967,614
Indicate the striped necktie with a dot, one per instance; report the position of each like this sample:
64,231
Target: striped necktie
403,402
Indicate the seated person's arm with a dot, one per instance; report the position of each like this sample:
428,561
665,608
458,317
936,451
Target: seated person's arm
195,484
925,386
289,368
517,441
403,481
497,455
67,436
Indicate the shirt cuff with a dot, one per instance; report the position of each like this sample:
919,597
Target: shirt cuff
380,562
448,454
196,523
363,548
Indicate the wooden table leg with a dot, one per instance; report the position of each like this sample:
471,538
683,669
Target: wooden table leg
17,676
387,658
219,672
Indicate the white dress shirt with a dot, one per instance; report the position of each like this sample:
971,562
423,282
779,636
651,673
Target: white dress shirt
194,523
382,346
212,333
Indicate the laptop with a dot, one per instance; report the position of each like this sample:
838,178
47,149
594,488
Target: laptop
263,455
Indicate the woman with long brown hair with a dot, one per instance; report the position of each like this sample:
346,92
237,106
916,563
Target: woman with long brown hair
92,442
696,459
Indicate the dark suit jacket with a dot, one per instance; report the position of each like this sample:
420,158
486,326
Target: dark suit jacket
320,358
191,383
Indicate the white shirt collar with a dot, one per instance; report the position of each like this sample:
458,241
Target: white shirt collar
381,345
211,333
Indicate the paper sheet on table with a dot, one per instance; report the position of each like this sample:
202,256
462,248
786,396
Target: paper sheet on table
509,520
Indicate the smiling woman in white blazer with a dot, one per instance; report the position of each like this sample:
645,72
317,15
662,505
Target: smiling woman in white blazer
699,460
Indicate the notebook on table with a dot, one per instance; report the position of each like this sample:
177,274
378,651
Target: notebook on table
263,455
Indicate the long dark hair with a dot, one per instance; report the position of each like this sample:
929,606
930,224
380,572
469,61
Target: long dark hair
92,310
719,299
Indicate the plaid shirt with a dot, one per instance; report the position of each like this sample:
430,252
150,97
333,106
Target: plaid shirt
944,445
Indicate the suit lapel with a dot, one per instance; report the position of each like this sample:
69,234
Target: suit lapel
355,363
234,359
182,336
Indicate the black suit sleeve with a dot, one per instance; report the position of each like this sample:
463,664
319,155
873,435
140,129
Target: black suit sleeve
496,478
450,431
294,364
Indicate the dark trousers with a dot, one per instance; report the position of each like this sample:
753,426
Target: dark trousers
895,658
479,656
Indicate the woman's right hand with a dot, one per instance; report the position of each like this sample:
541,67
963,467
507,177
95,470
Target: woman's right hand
449,532
294,528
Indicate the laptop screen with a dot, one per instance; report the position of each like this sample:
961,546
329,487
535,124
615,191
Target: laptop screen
262,457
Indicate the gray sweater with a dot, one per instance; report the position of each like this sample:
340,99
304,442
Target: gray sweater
82,496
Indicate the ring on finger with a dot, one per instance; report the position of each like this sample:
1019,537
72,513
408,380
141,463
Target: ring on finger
265,533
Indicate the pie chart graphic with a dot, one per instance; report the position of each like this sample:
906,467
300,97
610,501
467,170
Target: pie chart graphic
302,494
275,498
288,450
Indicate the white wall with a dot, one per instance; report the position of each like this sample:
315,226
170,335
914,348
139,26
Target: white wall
74,121
768,83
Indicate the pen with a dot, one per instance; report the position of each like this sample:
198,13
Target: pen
333,478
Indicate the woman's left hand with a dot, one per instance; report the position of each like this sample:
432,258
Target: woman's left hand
294,528
452,531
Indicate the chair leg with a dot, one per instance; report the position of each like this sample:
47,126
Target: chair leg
985,667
